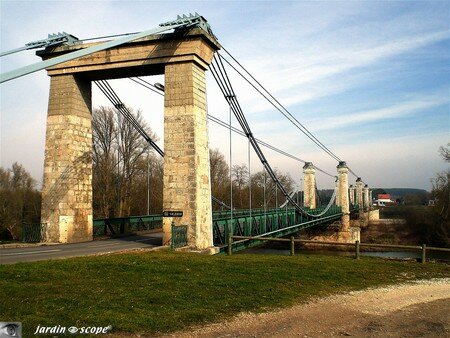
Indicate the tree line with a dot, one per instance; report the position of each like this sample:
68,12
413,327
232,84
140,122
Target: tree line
20,201
128,180
128,173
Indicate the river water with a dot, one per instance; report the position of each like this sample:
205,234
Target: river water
431,255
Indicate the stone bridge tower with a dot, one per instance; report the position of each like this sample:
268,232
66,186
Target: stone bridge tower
183,58
309,186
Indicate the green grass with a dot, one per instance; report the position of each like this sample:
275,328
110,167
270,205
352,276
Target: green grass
151,292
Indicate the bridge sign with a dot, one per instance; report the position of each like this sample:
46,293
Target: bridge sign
170,213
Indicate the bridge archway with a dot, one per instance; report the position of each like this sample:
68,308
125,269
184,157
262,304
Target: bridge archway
183,57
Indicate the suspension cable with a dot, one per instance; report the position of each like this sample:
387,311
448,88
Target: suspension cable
280,107
106,88
221,77
224,83
147,85
216,120
108,36
112,96
265,144
285,203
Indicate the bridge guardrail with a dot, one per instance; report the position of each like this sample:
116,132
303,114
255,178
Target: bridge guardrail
261,221
278,221
116,225
33,232
179,236
119,225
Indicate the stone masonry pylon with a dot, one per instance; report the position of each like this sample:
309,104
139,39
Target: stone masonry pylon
351,191
187,185
359,193
309,187
366,198
67,189
67,193
342,196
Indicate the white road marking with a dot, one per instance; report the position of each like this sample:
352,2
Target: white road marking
29,252
101,245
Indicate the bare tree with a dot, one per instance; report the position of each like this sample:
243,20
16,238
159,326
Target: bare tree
119,169
147,183
264,190
240,181
19,200
445,152
105,161
132,147
220,176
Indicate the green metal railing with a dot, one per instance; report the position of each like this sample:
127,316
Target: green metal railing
242,212
33,233
121,225
276,223
113,226
354,207
179,236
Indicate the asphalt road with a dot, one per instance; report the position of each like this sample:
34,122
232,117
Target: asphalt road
58,251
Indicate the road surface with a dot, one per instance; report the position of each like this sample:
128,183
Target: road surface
56,251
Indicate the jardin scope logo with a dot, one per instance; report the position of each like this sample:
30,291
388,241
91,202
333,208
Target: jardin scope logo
58,329
10,329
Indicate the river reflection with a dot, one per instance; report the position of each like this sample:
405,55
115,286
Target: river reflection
431,255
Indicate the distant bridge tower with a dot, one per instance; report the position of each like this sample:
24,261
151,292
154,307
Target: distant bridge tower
366,198
338,200
351,191
343,197
67,191
309,184
359,193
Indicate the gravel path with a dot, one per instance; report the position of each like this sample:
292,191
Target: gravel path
407,310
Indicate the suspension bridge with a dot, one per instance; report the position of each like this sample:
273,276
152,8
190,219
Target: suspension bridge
182,50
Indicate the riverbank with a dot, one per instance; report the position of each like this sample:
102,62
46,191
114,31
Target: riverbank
150,293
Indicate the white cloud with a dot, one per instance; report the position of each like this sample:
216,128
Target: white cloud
296,79
397,110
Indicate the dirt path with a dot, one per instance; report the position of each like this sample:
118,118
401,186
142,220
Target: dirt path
408,310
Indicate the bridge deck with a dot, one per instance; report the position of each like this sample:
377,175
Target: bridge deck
255,222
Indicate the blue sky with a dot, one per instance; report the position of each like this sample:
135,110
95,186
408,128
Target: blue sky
369,79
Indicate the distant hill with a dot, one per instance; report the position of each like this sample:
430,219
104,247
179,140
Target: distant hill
399,192
409,196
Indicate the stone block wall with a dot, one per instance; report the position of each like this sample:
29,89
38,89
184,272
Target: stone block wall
67,189
309,186
186,162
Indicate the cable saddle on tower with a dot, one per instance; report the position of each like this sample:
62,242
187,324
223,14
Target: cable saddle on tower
182,22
